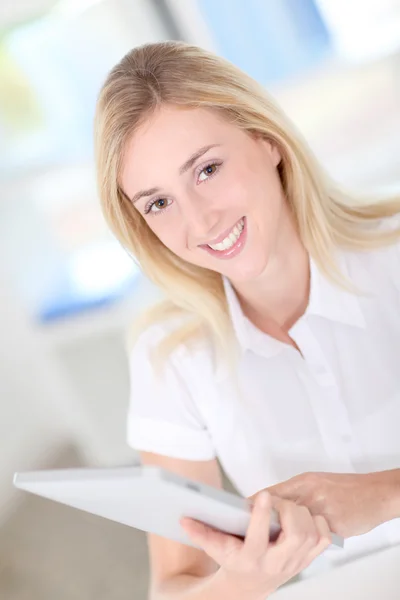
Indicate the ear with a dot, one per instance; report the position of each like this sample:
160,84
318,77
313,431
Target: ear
275,154
272,149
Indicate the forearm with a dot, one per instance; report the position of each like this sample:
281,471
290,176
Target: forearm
387,485
214,587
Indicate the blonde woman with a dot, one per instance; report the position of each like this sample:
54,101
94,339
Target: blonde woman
277,348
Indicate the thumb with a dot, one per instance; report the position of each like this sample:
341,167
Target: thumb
215,543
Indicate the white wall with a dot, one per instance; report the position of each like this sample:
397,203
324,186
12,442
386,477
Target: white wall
56,388
31,415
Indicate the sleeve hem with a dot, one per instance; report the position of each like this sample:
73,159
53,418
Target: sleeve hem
169,439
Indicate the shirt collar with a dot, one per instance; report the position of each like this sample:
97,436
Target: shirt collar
327,300
247,335
331,301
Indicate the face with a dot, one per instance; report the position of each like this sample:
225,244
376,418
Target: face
209,191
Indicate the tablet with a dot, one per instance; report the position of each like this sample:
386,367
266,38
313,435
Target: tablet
146,497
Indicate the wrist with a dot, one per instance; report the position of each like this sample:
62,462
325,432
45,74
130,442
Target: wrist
386,487
394,495
234,589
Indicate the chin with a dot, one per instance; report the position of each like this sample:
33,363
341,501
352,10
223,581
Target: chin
251,263
248,271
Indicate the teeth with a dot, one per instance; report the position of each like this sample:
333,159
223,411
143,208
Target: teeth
231,239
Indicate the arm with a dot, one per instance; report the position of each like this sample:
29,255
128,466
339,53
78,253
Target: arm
190,587
388,488
352,503
180,572
228,566
177,569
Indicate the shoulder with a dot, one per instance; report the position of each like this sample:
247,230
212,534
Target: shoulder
166,409
388,255
390,223
379,266
160,344
390,248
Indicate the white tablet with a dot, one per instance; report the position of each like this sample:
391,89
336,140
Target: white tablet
145,497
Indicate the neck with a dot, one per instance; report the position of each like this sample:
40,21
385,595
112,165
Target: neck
279,296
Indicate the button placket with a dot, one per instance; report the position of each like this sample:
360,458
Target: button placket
329,411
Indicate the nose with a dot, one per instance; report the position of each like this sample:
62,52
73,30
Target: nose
201,219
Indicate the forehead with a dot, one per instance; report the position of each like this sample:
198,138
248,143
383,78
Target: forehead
180,124
169,137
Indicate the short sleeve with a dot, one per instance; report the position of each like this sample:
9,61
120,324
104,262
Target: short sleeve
162,415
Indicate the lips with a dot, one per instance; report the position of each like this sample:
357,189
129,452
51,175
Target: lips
230,243
229,240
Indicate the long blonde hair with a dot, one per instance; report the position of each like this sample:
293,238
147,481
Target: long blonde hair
183,75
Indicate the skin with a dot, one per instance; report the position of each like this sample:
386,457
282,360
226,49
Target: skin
239,178
352,504
195,208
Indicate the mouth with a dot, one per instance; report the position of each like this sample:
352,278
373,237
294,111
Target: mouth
231,244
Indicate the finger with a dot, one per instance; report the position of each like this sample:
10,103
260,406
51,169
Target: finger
257,535
298,537
297,525
324,541
215,543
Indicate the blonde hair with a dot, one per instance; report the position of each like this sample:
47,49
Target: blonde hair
175,73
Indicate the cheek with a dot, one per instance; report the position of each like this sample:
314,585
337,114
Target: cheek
256,186
269,194
169,231
238,192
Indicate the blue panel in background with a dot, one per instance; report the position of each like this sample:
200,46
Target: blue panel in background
96,276
68,301
271,40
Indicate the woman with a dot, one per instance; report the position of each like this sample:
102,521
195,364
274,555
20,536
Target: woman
276,350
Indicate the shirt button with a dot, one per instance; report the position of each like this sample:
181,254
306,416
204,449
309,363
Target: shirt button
317,367
320,370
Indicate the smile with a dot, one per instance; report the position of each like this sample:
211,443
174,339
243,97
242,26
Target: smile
231,244
230,239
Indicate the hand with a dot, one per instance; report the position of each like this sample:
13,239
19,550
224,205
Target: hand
352,504
256,566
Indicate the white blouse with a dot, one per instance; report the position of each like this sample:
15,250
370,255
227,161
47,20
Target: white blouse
335,407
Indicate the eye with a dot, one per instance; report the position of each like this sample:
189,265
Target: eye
208,171
157,205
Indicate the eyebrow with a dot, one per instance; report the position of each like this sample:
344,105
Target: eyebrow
185,167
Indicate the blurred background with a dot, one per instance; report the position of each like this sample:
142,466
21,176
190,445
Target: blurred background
68,291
